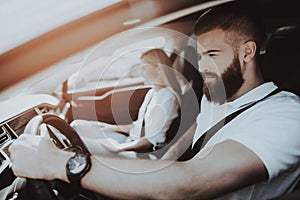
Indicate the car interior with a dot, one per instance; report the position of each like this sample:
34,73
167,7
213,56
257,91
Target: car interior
114,96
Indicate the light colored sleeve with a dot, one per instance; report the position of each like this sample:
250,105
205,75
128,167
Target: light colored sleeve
135,131
273,134
159,116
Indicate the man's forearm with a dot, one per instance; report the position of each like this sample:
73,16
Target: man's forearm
131,179
136,178
199,178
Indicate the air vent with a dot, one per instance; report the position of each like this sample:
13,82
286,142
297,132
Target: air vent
4,163
3,136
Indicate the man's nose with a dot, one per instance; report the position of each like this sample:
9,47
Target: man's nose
205,64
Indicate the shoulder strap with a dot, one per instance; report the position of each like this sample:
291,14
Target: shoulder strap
192,151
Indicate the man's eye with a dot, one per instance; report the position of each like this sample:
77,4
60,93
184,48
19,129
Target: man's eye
212,55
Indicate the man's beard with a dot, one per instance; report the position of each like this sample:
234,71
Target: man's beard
226,85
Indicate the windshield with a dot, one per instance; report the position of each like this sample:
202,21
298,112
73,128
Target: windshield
25,20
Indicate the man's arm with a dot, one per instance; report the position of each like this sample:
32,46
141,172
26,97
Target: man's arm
213,175
227,167
176,150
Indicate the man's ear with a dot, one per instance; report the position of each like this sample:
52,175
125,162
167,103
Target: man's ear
249,51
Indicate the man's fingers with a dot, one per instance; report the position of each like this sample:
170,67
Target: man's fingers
33,125
44,131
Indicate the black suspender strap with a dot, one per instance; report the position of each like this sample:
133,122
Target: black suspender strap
192,151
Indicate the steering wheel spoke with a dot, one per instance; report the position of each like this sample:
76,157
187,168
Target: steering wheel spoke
58,138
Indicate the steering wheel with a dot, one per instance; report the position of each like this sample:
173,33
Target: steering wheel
67,138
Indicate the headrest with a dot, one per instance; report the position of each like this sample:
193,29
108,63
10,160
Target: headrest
281,62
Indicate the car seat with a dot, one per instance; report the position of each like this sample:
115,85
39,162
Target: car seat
281,62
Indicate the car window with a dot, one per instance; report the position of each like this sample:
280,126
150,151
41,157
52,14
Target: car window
115,61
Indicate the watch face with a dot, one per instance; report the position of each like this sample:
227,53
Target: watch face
77,163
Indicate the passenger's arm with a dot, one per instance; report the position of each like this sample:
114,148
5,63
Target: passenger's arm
136,145
176,150
123,128
160,116
86,124
114,127
227,167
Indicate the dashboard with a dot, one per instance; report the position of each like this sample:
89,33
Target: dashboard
16,112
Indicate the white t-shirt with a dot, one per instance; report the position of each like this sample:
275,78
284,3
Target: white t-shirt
159,109
271,129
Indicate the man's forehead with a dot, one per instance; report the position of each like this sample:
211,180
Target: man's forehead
211,40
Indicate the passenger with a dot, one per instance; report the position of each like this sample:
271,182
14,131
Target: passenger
255,156
159,109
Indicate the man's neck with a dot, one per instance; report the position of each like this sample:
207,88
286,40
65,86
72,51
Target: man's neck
248,85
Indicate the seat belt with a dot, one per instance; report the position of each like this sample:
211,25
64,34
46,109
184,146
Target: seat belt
193,150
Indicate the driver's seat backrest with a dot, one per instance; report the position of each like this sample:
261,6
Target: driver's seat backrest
281,62
190,100
191,70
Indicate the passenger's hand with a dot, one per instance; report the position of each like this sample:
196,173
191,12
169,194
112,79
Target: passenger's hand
38,158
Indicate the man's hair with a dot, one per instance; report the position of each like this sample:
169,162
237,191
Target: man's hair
236,20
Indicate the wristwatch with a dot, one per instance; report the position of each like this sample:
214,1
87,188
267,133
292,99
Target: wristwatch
77,167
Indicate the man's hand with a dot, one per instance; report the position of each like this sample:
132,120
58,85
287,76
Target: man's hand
37,157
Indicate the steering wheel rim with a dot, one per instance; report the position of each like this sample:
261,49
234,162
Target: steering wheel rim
42,189
69,132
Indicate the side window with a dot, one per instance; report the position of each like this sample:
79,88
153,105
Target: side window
115,61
